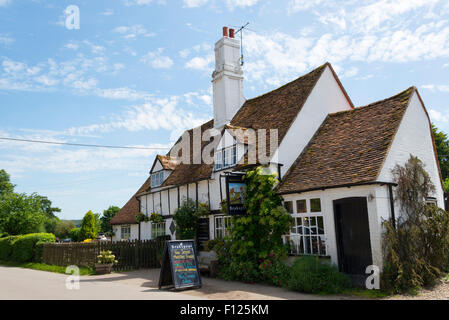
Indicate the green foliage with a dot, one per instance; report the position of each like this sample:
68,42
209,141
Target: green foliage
141,217
203,209
47,208
156,218
75,234
186,220
6,247
21,214
442,146
89,226
256,238
417,250
108,214
63,228
24,247
310,275
6,187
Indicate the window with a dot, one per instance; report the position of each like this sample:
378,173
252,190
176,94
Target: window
315,205
157,230
431,200
307,236
288,205
222,226
301,206
226,157
125,232
157,178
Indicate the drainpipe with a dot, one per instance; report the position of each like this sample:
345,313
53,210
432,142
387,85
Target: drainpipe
393,217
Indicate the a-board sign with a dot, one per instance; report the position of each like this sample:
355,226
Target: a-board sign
180,265
235,194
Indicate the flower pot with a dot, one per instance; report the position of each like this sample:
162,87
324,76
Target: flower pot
102,268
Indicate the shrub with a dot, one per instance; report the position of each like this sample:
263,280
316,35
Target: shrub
416,245
6,247
88,228
24,247
75,234
257,236
186,220
310,275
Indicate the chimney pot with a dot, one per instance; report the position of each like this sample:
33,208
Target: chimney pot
231,33
225,31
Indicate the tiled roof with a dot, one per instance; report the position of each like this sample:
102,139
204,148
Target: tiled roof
349,147
127,214
167,162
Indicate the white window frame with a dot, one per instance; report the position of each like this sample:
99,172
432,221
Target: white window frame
157,229
127,233
225,158
302,242
157,178
221,226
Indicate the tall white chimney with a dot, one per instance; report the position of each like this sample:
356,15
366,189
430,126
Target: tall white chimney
227,79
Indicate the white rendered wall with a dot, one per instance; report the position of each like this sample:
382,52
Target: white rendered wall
414,137
327,97
377,207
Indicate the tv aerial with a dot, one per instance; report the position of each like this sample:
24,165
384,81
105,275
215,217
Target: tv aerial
241,42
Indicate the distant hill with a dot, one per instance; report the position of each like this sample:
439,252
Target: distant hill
76,222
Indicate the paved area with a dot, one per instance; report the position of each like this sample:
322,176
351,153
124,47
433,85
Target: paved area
438,292
19,283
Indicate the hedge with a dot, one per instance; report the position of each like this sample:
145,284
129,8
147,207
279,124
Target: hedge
6,245
28,247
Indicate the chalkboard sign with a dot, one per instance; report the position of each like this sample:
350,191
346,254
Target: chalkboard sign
180,265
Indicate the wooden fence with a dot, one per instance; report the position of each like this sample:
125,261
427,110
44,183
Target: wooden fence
130,254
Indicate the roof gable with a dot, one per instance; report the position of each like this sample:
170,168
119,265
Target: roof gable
350,147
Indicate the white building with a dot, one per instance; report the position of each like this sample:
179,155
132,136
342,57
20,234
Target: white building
334,161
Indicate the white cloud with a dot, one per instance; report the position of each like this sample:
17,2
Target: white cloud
300,5
4,2
434,87
156,60
194,3
438,116
132,32
6,40
240,3
200,63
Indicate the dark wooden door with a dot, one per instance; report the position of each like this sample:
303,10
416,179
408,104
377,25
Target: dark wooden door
202,232
353,237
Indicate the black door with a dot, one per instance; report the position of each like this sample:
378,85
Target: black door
202,232
353,237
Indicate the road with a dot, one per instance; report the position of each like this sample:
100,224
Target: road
26,284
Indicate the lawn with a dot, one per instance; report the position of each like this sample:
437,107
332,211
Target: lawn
45,267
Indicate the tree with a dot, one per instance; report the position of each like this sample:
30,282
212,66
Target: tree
186,220
97,223
6,187
21,214
442,145
63,228
75,234
88,228
47,208
108,214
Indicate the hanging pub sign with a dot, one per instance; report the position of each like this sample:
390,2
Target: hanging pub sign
235,194
179,267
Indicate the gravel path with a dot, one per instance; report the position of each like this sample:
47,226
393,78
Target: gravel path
438,292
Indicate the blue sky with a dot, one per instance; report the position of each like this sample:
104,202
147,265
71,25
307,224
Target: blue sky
138,72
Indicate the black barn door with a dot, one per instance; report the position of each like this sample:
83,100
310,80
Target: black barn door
353,237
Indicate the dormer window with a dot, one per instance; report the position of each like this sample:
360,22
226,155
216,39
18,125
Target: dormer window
226,157
157,178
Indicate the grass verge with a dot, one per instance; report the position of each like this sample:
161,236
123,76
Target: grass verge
45,267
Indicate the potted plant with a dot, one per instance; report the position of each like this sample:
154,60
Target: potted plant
105,261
